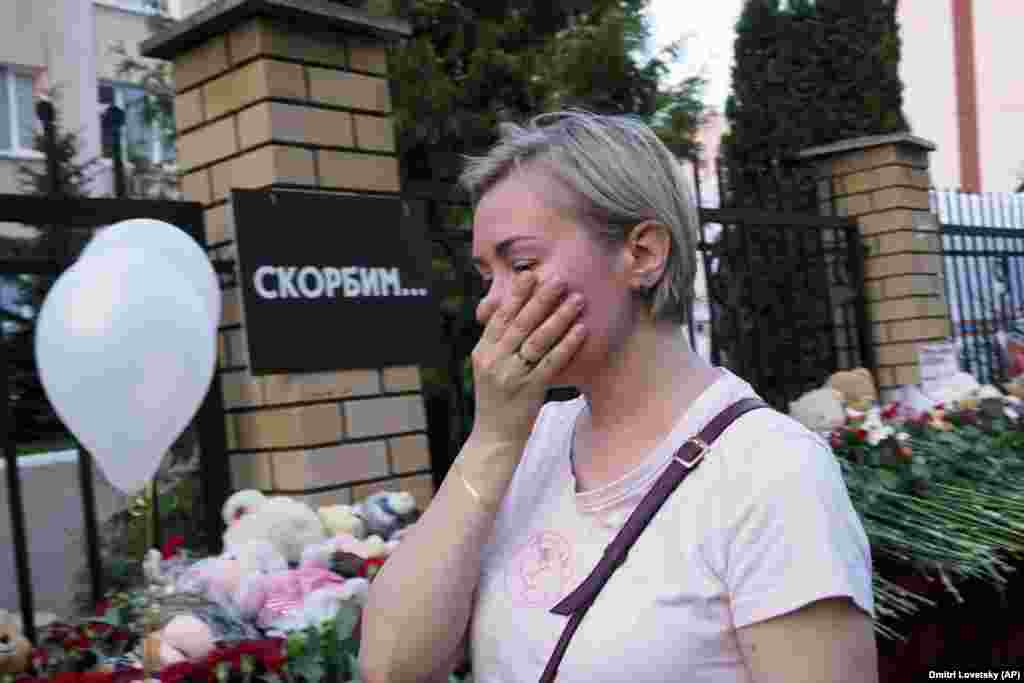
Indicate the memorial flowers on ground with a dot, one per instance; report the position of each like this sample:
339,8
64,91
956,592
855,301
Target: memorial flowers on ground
939,486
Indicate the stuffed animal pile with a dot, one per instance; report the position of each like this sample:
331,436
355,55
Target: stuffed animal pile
285,566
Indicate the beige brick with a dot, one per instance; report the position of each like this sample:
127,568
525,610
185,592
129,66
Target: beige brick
368,56
196,186
854,205
231,432
222,350
269,429
857,183
920,177
849,162
912,330
262,167
895,242
251,471
346,89
410,453
324,47
294,123
889,176
207,144
885,377
188,109
231,307
375,133
874,290
402,378
902,264
341,496
896,354
236,351
200,63
320,423
896,154
242,390
378,416
912,285
361,492
313,468
317,386
358,171
218,224
906,374
913,307
886,221
901,197
255,81
247,40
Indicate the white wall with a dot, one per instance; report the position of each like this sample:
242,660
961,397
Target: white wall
999,28
929,82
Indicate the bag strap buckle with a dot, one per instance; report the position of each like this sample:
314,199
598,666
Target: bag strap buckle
701,450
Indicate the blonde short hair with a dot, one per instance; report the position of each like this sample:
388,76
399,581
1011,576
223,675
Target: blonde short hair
622,174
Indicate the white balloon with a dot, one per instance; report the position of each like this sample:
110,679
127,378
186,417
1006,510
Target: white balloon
126,352
164,242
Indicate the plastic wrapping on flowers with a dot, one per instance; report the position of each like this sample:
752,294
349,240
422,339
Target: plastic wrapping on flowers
940,493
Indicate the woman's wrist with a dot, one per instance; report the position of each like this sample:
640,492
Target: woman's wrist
485,469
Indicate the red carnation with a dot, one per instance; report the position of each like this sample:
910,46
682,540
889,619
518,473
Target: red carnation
374,563
891,411
274,661
170,547
101,607
175,673
97,677
862,434
67,677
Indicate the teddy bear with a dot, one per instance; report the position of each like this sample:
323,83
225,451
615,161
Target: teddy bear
342,519
287,524
240,504
857,388
15,648
387,513
820,410
349,556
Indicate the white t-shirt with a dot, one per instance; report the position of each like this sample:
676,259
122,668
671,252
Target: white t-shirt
762,527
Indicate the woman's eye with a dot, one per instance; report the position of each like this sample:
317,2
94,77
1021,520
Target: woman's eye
522,266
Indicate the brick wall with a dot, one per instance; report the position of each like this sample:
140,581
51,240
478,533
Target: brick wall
883,182
271,105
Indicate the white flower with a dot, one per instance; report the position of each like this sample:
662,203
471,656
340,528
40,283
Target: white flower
877,430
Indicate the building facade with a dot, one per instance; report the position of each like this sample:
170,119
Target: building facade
964,89
69,45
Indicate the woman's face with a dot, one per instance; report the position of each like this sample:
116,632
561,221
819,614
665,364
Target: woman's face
526,222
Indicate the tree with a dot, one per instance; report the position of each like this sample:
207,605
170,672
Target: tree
806,73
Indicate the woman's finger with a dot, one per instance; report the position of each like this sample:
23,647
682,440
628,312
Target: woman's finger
499,320
531,316
556,359
545,337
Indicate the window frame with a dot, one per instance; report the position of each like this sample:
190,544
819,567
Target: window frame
156,151
8,77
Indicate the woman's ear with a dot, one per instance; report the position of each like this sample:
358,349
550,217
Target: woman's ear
648,247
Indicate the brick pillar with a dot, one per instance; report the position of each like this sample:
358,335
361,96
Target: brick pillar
294,93
883,182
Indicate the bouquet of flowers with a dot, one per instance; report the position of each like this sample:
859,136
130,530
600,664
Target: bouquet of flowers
940,492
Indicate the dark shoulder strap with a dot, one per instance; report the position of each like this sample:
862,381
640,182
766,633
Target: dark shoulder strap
686,459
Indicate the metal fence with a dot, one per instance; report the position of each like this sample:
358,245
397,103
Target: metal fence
983,261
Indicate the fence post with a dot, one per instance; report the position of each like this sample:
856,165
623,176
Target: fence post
112,121
14,502
883,181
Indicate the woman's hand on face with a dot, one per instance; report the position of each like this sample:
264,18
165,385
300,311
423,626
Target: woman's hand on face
528,338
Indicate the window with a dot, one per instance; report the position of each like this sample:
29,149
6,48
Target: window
138,137
17,111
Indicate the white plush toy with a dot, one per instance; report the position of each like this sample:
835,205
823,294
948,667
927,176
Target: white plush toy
240,504
820,410
289,525
342,519
387,512
960,387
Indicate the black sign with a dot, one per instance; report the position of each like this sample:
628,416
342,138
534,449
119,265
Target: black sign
332,282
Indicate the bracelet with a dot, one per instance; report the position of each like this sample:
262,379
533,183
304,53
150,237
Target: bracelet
469,487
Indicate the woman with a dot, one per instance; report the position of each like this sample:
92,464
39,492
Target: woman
756,569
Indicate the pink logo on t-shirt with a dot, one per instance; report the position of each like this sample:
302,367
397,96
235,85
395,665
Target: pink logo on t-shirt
541,572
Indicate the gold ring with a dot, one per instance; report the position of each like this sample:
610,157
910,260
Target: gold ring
529,363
